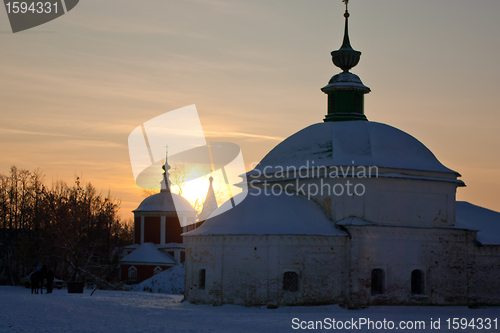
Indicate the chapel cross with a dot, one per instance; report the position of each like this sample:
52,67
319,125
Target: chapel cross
346,4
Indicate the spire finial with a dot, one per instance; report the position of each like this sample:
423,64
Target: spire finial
345,90
165,166
165,186
346,7
346,57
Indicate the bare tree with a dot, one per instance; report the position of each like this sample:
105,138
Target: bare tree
67,226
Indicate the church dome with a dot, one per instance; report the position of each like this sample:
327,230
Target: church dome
350,143
160,202
264,213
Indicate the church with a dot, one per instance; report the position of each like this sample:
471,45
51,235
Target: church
159,222
350,212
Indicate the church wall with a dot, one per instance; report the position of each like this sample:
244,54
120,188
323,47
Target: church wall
173,230
484,275
153,226
246,262
394,201
441,254
410,202
143,272
321,265
249,269
152,229
203,252
391,201
137,230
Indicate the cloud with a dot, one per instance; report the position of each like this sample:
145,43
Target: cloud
95,143
244,135
25,132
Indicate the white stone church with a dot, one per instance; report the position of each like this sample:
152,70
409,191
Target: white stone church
347,211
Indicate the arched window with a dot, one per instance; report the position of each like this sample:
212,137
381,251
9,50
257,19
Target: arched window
157,270
202,277
132,274
290,281
377,283
417,282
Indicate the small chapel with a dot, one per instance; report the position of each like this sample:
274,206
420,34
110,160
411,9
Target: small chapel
159,222
303,236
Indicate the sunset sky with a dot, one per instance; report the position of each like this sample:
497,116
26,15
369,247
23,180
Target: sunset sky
72,90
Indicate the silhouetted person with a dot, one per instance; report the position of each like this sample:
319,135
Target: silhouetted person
50,279
37,279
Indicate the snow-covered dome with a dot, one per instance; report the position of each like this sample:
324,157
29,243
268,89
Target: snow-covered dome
346,143
267,214
160,202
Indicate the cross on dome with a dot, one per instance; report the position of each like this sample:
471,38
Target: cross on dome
346,4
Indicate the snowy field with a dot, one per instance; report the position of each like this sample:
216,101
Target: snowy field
111,311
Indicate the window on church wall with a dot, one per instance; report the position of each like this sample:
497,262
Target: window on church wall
377,281
201,278
417,282
157,270
132,274
290,281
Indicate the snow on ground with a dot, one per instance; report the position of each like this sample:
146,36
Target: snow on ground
120,311
170,281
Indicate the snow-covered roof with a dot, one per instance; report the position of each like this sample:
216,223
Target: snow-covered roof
346,143
261,214
161,202
487,222
147,253
172,245
353,220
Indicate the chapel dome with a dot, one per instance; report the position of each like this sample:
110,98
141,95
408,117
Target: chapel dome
264,213
160,202
350,143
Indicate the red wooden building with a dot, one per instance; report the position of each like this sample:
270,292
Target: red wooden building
159,222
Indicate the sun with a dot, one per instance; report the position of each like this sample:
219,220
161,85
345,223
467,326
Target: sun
192,184
195,190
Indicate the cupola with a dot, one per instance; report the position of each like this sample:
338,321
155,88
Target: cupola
345,90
